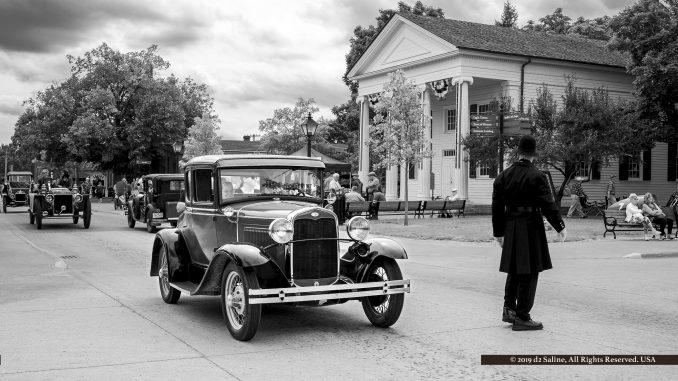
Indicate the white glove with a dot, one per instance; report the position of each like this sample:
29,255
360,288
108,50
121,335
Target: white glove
562,235
500,241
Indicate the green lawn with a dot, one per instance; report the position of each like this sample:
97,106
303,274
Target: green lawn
479,229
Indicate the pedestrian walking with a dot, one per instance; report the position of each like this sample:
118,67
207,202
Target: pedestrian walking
521,195
372,185
577,196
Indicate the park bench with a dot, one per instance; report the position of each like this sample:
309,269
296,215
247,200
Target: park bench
357,208
615,221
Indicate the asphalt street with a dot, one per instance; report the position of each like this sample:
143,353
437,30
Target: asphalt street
79,304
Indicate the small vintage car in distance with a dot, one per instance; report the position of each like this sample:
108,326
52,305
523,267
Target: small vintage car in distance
57,202
156,202
254,232
17,187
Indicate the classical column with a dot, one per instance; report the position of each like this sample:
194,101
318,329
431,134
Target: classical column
464,123
424,192
391,183
364,149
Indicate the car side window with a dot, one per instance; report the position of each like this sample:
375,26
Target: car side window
203,187
188,188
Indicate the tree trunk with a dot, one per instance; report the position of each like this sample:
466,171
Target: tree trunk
406,193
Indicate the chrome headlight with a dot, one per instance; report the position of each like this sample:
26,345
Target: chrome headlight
12,196
228,211
77,198
281,230
358,228
49,198
331,198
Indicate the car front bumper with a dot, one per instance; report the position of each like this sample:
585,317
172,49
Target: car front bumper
337,291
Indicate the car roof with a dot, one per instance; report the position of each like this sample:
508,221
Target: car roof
10,173
257,161
164,176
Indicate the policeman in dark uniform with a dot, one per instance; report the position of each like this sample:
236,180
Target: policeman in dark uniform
520,197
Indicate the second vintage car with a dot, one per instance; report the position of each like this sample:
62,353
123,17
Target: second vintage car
17,187
156,202
53,202
254,232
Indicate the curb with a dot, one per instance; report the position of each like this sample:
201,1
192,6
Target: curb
671,254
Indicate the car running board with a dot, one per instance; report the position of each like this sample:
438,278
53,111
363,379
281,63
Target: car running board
186,287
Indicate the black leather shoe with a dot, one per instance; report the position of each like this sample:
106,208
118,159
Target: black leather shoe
508,316
526,325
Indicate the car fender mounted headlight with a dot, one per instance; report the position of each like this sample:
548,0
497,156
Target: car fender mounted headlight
12,196
49,198
281,230
77,198
358,228
228,211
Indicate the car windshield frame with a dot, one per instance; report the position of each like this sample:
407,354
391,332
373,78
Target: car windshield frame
19,181
242,184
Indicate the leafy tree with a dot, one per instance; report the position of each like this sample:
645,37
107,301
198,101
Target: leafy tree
113,110
509,16
203,138
399,133
345,129
586,127
597,28
648,33
556,23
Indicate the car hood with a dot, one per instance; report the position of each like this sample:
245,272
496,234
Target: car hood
270,209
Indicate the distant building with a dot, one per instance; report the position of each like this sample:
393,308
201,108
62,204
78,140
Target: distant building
246,146
460,67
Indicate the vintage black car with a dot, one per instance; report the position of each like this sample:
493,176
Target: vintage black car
17,187
254,232
156,202
50,201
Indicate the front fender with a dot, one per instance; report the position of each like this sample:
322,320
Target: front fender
244,255
380,248
179,260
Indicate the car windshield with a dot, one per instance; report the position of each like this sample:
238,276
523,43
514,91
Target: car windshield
19,181
245,183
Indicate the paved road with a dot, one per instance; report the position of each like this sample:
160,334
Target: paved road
79,304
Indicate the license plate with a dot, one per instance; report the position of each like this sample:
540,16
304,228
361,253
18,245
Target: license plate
157,214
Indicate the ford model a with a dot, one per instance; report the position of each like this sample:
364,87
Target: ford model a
50,201
254,232
156,202
17,187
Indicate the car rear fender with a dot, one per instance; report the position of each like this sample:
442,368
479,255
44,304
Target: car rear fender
179,260
380,248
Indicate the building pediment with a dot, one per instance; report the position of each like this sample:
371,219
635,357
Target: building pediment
401,44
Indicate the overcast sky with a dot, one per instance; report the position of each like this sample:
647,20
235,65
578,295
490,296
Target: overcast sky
255,56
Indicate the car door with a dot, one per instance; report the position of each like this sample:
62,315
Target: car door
203,210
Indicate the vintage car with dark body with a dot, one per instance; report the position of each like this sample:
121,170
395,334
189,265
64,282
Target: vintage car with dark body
156,203
50,201
17,187
254,232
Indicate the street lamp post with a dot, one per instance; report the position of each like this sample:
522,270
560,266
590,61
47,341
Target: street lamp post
309,127
178,147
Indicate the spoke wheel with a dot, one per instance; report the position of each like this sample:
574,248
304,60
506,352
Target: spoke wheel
37,211
130,220
169,294
383,310
241,317
87,213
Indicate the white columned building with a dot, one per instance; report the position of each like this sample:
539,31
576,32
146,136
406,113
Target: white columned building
463,69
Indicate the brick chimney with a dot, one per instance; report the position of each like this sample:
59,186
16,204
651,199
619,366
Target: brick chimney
246,138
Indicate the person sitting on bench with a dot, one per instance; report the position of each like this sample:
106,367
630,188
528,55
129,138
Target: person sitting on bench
635,215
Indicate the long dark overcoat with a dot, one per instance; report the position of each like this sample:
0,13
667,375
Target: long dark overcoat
520,196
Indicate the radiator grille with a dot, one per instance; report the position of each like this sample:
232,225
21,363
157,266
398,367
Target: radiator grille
315,259
20,197
65,200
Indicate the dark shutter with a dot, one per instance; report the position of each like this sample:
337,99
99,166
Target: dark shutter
624,167
647,164
595,170
471,167
473,109
671,164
